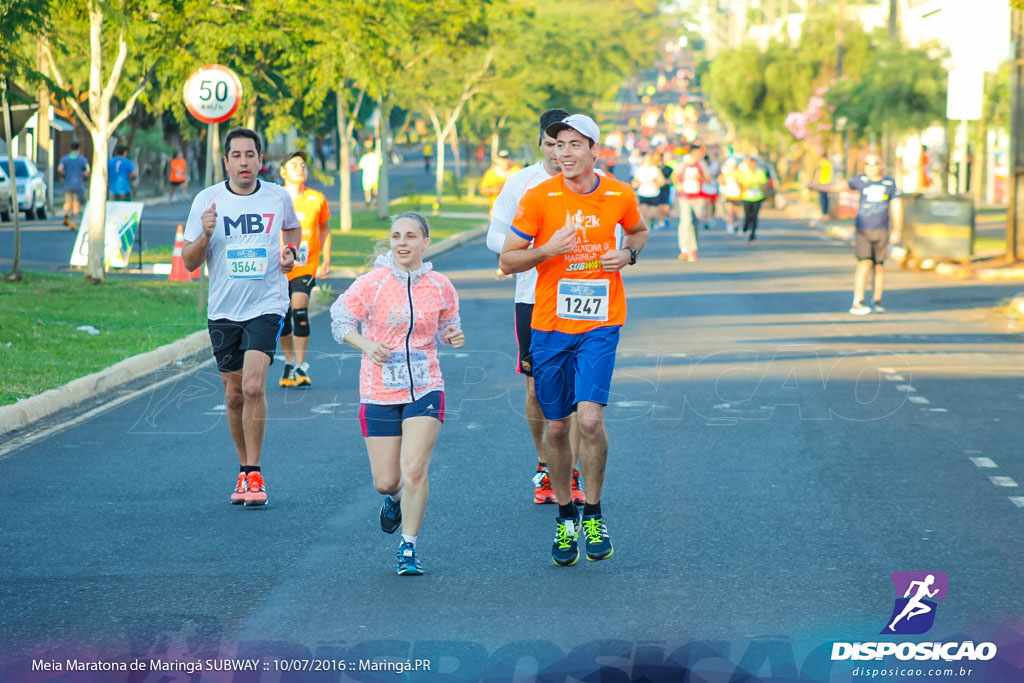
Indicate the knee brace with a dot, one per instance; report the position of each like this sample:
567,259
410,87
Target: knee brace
286,330
301,316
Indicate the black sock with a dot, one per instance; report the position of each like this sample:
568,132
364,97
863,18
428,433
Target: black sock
242,470
589,509
567,511
542,465
246,469
254,469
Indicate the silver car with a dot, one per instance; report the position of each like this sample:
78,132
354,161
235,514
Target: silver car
6,198
31,187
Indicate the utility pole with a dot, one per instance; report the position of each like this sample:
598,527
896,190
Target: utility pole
1015,211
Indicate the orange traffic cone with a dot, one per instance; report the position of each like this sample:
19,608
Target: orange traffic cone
178,272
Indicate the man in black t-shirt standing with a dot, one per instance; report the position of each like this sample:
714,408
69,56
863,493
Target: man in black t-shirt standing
878,224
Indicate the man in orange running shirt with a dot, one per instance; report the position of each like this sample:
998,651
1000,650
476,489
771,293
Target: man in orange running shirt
311,208
580,306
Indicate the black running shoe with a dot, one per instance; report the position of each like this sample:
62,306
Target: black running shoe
596,539
565,551
390,515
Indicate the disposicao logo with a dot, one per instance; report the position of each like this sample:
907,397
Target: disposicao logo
916,592
913,613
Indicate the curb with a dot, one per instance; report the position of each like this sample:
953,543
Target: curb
23,413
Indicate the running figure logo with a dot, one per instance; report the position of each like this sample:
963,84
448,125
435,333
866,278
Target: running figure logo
914,612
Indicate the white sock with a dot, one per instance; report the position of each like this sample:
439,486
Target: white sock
410,539
397,496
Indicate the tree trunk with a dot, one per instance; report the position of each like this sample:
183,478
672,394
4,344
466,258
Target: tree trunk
99,127
344,161
44,142
978,167
453,140
385,161
97,208
15,274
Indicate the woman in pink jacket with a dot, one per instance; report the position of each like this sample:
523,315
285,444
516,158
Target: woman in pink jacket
395,314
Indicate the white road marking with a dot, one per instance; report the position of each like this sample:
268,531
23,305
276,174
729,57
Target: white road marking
895,378
1017,500
984,462
887,371
938,410
905,387
918,399
325,408
1003,481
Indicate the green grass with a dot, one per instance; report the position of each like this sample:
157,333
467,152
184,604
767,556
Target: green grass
40,347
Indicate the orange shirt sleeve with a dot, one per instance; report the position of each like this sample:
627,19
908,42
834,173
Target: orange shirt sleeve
528,219
631,210
325,211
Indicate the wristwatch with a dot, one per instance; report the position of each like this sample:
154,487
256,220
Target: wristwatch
295,252
632,254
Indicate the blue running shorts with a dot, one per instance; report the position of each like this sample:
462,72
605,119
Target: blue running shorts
569,368
386,420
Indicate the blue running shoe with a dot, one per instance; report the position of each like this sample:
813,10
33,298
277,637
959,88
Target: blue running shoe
596,539
390,515
565,551
408,563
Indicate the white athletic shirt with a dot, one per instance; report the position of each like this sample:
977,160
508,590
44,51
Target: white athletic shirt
504,211
647,177
245,276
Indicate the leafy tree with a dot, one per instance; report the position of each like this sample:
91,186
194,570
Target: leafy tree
18,17
144,30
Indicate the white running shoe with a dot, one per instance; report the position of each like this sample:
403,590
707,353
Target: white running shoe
859,309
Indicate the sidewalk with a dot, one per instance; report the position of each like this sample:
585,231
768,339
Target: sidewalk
997,268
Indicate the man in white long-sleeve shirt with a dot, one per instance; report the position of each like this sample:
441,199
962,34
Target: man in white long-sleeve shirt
502,213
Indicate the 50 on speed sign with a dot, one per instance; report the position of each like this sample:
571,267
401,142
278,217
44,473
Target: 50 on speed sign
213,93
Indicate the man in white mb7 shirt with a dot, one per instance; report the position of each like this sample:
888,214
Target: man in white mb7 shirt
236,228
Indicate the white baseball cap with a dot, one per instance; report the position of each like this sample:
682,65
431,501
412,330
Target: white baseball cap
584,125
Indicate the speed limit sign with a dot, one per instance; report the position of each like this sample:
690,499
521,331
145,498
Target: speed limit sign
213,93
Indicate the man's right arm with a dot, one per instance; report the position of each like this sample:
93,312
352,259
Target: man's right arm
194,253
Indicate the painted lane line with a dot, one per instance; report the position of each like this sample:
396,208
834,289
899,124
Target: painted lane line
984,462
938,410
1003,481
1017,500
895,378
918,399
905,387
887,371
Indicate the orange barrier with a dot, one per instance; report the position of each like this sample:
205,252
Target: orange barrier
178,271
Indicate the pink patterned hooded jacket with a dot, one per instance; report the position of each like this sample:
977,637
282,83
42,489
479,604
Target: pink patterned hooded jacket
381,303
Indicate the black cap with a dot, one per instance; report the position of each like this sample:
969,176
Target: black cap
551,117
291,155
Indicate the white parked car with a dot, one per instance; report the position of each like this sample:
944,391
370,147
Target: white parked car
31,187
6,198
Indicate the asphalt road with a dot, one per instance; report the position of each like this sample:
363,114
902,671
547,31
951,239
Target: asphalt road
773,459
47,244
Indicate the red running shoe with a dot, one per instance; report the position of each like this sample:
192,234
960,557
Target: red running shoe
542,493
256,493
238,495
579,496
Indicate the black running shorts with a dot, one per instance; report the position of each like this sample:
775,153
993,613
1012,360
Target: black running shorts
524,315
303,283
871,245
231,339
